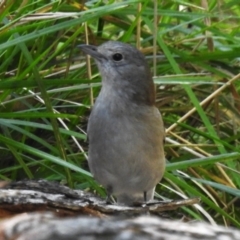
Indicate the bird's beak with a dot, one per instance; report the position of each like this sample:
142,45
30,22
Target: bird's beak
92,51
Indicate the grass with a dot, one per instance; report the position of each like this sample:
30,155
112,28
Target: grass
46,95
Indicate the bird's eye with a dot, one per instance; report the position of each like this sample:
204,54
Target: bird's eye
117,57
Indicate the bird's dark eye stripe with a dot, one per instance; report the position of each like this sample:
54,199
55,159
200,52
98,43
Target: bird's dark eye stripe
117,56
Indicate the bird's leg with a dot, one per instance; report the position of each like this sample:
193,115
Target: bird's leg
145,196
109,195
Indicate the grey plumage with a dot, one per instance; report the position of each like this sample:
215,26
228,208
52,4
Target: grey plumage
125,129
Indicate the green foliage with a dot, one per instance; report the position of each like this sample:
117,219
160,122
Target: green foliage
45,93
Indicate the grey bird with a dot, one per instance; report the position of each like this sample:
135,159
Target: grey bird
125,129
